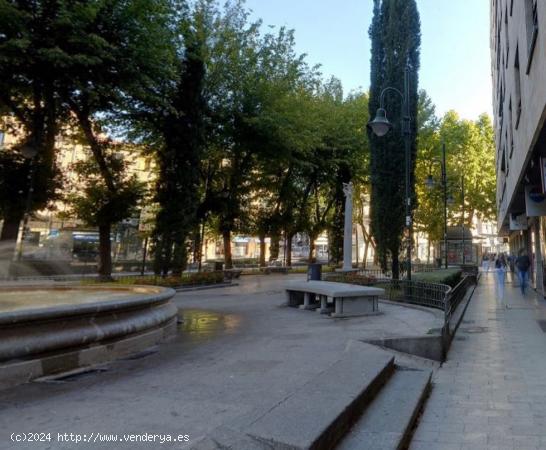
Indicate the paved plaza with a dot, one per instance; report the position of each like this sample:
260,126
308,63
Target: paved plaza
238,353
491,393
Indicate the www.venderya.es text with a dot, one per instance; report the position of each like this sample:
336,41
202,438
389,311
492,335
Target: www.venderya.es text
99,438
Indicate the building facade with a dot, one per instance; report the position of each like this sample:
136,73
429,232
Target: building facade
518,63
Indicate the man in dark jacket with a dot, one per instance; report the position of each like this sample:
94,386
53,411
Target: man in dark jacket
523,263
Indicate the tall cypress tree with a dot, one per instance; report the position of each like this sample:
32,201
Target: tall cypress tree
179,158
395,36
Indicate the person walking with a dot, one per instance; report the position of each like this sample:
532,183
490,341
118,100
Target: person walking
501,267
485,264
523,263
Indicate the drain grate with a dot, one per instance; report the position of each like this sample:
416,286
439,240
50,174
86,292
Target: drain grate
460,338
74,375
475,330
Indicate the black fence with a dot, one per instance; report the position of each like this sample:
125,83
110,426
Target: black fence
430,295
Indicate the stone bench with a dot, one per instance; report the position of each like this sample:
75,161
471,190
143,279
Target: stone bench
347,300
275,269
230,274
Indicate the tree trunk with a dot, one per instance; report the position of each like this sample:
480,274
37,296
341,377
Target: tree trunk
274,247
365,258
105,252
180,258
288,245
197,244
312,247
395,266
428,251
228,261
8,237
262,250
356,243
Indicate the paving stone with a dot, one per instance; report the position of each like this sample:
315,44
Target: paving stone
493,382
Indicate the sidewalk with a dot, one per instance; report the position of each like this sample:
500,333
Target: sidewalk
491,393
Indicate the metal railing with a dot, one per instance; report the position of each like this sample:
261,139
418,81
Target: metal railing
456,295
431,295
415,268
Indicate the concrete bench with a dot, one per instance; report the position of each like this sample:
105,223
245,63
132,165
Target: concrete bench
230,274
275,269
348,300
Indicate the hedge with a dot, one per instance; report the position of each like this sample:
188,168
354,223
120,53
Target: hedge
451,277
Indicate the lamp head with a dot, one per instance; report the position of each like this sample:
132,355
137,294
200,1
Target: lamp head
380,126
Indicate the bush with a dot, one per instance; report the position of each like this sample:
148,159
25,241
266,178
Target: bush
451,277
187,279
353,278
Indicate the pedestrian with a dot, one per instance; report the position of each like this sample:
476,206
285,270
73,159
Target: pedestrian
491,262
500,273
485,263
523,263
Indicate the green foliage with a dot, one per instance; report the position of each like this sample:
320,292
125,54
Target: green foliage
28,103
185,280
451,277
353,278
470,153
93,202
180,132
395,36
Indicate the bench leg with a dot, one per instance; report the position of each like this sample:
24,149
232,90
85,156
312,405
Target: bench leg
338,311
308,302
324,309
291,299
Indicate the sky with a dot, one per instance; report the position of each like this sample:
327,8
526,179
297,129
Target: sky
455,57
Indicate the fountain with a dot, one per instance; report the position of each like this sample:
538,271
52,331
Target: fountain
47,330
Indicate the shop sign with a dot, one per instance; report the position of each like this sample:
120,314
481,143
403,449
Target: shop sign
518,222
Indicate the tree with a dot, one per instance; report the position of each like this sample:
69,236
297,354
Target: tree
112,52
181,130
28,55
429,217
93,202
470,153
395,36
250,77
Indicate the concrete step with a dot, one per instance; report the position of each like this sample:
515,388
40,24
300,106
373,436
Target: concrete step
318,414
388,422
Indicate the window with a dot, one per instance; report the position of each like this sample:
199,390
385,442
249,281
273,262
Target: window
517,81
511,118
507,160
506,38
511,7
531,20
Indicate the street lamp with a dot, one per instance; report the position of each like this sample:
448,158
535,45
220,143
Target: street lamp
447,200
380,126
29,152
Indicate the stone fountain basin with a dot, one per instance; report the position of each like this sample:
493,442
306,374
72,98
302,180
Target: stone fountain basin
46,330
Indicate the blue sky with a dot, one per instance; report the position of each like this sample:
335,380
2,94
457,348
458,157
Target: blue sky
455,65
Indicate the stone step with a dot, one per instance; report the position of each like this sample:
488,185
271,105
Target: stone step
318,414
388,422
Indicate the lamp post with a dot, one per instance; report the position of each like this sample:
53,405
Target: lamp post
430,184
463,239
380,126
29,152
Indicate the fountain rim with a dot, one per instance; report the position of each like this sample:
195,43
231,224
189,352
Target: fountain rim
135,301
